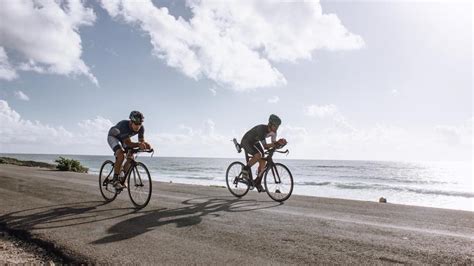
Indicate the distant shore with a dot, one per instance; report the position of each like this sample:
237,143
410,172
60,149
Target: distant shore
14,161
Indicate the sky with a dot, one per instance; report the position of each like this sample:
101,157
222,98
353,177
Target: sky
351,80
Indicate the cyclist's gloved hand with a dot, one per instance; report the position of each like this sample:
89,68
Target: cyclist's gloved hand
142,145
281,142
147,146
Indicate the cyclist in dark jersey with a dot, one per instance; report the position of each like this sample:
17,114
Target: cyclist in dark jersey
251,142
119,140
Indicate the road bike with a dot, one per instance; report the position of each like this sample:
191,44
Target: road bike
137,178
277,178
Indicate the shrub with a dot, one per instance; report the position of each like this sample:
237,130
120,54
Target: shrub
65,164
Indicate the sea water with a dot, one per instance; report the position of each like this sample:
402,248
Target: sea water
433,184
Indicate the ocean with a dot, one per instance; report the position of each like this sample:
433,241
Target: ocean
432,184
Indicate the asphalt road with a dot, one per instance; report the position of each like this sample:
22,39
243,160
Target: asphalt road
185,224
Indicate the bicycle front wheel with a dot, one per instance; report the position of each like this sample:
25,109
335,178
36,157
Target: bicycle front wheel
278,182
106,175
236,184
139,185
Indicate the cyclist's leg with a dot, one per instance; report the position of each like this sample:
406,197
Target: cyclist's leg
119,157
119,153
261,164
250,148
116,146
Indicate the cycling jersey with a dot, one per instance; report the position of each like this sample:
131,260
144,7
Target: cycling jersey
257,134
123,131
120,132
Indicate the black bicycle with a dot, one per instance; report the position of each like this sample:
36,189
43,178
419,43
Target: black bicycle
277,179
137,176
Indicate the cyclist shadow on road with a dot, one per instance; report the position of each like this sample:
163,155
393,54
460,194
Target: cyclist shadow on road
189,215
61,215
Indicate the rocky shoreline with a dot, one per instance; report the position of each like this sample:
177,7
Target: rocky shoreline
13,161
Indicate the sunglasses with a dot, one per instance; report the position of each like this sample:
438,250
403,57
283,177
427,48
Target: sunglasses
137,123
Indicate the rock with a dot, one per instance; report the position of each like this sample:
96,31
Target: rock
382,200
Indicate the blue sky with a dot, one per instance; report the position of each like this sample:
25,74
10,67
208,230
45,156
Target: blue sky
350,80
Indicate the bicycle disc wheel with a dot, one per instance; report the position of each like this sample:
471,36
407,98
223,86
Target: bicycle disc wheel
106,175
278,182
139,185
237,185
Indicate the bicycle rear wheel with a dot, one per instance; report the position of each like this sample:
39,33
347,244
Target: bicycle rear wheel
278,182
236,184
106,175
139,185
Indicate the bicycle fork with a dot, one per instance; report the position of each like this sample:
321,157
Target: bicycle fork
276,175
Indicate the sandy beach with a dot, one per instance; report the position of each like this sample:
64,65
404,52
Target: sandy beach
186,224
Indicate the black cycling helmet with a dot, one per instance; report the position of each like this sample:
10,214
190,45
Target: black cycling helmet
136,117
274,120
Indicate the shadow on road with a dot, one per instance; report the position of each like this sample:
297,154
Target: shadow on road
189,215
142,221
61,215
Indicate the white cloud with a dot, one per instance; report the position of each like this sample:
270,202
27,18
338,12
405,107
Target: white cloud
343,125
21,135
234,43
274,99
213,90
202,141
321,111
379,141
394,92
297,134
22,96
15,130
7,72
382,142
94,131
455,135
90,137
45,33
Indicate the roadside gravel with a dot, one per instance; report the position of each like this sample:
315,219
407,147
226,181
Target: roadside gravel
13,250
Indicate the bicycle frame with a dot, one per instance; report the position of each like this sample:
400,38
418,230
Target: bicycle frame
133,163
270,165
132,155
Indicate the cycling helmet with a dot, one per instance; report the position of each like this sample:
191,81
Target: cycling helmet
136,117
274,120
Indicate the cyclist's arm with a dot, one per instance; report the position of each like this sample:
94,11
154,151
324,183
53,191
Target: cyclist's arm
146,144
128,142
141,134
268,146
141,138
